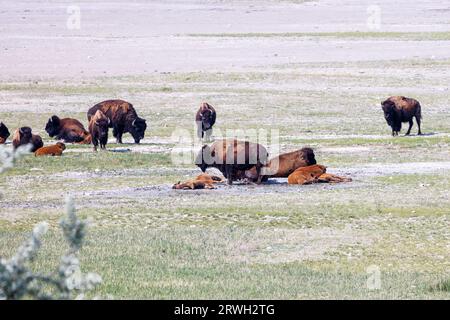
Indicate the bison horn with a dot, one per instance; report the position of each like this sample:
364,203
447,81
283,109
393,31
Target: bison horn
133,123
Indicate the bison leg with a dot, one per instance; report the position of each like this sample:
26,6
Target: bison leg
411,123
229,174
117,133
418,124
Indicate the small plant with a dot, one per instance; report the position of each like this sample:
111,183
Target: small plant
19,281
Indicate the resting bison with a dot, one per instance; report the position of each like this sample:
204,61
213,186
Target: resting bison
307,175
67,129
398,109
98,128
23,136
232,156
53,150
123,118
283,165
4,133
203,181
205,119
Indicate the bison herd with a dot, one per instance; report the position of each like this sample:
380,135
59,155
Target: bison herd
237,160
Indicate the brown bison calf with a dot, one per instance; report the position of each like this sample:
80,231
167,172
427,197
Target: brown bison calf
283,165
53,150
123,118
203,181
307,175
4,133
24,136
231,156
98,128
67,129
332,178
398,109
205,119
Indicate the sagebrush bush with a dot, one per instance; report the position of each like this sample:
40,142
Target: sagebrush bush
18,281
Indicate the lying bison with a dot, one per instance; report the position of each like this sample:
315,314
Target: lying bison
98,128
53,150
23,136
398,109
205,119
4,133
307,175
283,165
67,129
123,118
232,156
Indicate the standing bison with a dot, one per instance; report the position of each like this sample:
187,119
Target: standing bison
4,133
398,109
232,156
123,118
98,128
23,136
205,119
67,129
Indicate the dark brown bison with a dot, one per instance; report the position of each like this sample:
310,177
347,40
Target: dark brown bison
398,109
231,156
98,128
4,133
283,165
23,136
67,129
205,119
123,118
53,150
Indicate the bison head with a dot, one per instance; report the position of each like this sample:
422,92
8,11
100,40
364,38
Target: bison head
25,134
4,132
309,156
390,115
207,118
103,127
52,126
137,130
204,158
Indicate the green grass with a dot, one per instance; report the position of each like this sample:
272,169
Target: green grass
272,241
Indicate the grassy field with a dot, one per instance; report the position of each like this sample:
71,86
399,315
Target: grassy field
271,241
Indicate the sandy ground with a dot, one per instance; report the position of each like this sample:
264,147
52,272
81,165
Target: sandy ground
118,38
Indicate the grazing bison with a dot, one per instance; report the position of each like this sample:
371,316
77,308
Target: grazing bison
203,181
4,133
231,156
53,150
98,128
123,118
67,129
398,109
24,136
283,165
307,175
205,119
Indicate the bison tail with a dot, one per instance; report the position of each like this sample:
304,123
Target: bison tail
419,110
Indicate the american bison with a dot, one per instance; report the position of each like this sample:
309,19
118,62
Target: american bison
398,109
4,133
205,119
67,129
123,118
98,128
283,165
24,136
203,181
307,175
231,156
53,150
